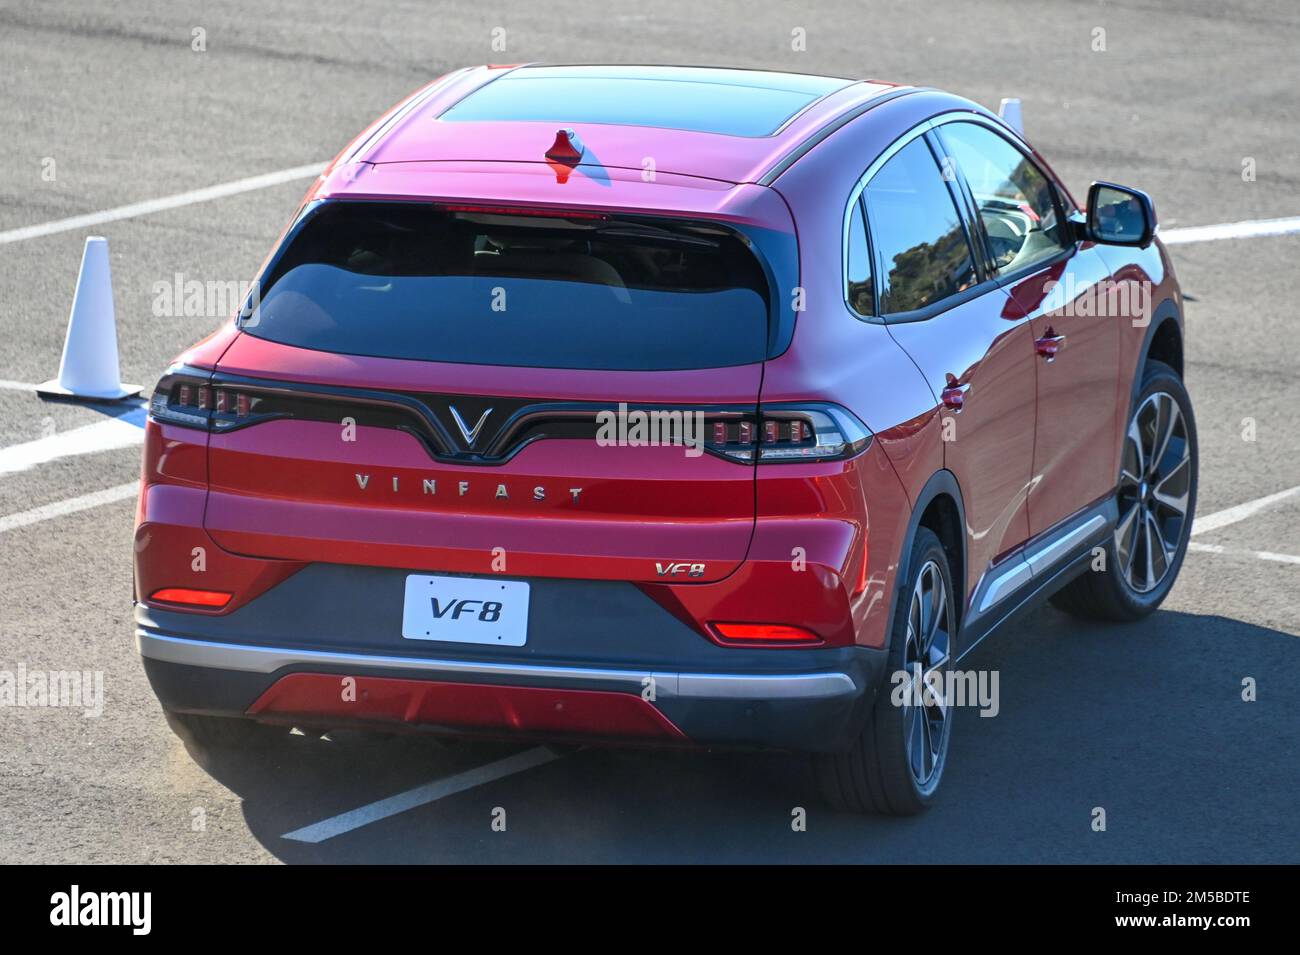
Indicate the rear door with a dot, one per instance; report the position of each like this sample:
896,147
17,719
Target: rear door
471,389
973,348
1057,286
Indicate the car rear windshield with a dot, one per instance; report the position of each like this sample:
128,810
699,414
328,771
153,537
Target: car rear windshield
492,287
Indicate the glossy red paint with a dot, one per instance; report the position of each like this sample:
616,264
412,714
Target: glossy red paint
323,698
826,542
989,441
1075,446
293,490
171,548
966,396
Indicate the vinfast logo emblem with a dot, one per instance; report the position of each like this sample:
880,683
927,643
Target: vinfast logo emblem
679,567
430,487
469,434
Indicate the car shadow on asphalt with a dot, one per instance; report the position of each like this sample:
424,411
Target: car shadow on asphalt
1146,722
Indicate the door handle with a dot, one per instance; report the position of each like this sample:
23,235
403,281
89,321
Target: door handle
954,394
1049,344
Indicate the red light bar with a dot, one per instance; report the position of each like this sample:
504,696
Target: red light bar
523,211
210,599
763,634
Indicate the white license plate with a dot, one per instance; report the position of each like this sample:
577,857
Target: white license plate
465,610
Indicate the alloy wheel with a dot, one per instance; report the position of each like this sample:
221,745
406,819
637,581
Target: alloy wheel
1154,489
926,720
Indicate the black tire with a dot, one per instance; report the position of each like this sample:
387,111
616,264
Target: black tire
1113,593
877,773
219,732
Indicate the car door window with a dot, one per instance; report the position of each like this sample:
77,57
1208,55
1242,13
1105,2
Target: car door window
1015,199
859,294
919,238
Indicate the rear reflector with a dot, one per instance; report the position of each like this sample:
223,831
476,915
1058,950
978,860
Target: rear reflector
184,596
763,634
471,706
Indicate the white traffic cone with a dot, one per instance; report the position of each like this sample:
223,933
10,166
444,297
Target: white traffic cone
89,369
1011,114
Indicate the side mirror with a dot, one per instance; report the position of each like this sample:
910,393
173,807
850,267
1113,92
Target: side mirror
1118,215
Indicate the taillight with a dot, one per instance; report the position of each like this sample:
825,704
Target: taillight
784,433
183,398
763,635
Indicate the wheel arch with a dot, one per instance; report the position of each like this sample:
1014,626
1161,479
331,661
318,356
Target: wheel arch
1163,342
939,507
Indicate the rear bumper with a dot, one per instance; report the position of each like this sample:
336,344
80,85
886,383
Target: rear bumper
602,660
796,710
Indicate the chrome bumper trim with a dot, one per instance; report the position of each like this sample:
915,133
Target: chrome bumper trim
255,659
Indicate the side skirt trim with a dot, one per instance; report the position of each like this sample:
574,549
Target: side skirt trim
1020,579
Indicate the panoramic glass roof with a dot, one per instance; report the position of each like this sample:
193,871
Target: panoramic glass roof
734,102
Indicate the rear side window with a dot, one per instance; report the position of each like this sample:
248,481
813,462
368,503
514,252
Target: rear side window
412,280
918,236
860,294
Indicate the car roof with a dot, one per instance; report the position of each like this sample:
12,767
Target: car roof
724,124
732,102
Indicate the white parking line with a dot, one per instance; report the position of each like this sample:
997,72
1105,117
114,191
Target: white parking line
1241,552
6,385
70,506
1231,515
1247,229
150,206
121,432
422,795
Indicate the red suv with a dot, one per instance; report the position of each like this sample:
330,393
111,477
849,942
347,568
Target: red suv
691,406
